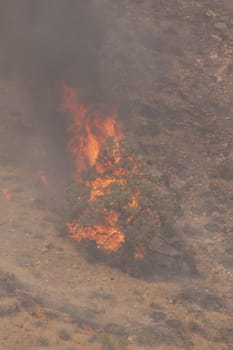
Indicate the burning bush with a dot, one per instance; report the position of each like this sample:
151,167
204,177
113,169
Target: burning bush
115,206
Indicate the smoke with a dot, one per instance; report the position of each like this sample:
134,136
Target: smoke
100,46
45,43
111,51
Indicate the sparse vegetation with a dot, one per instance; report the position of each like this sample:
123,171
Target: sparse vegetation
147,337
149,129
36,273
109,342
154,305
106,342
64,334
8,306
42,341
195,327
8,283
167,67
225,171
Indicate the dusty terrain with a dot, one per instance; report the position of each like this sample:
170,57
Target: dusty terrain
181,98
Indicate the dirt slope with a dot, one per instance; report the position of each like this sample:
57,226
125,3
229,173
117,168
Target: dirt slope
181,102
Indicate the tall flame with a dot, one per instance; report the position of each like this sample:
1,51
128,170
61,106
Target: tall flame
89,130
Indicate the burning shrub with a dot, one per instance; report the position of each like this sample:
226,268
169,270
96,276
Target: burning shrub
117,205
116,208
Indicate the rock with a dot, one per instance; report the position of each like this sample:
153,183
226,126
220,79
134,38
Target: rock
132,339
210,13
221,26
216,37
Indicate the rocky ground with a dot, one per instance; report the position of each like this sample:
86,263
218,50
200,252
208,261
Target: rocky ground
181,102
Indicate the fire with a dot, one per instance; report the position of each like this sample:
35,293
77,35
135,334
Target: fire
139,252
89,131
106,235
7,194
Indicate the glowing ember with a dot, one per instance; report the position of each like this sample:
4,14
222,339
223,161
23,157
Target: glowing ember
42,177
7,194
30,305
139,252
106,235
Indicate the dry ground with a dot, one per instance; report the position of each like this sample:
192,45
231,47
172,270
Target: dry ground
60,301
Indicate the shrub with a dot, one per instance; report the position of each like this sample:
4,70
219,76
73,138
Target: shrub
118,197
42,341
8,306
64,334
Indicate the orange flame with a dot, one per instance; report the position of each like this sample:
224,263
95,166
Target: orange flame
106,234
90,130
139,252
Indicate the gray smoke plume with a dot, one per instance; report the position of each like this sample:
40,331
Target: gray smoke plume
111,50
45,43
